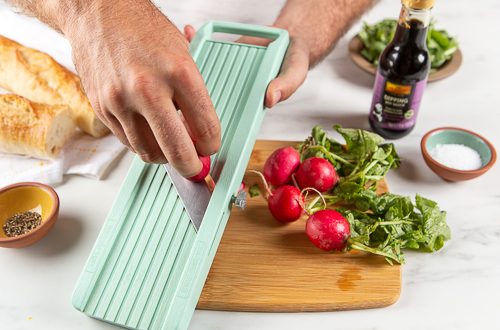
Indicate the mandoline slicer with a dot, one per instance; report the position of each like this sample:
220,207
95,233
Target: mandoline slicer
148,266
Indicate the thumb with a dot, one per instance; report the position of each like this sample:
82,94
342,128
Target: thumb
292,75
189,32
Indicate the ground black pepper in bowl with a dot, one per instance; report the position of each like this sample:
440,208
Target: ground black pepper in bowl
28,211
21,223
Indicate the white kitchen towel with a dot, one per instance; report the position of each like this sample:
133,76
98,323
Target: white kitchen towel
83,154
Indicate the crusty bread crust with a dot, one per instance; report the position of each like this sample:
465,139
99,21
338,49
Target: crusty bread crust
39,78
34,129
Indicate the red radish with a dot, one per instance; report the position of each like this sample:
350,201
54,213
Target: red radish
318,173
284,204
280,166
205,160
328,230
242,186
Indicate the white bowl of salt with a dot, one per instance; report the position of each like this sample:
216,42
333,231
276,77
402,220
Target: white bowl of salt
456,154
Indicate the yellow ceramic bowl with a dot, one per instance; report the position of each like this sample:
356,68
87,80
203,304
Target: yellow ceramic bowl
23,197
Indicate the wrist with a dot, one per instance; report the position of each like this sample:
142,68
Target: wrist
307,37
320,23
68,15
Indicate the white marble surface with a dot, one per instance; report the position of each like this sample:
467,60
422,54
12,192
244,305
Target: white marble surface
455,288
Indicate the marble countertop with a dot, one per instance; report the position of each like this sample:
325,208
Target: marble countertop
457,287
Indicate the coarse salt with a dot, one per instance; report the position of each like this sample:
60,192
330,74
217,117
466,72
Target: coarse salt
457,156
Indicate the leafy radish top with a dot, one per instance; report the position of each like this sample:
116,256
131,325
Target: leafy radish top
394,222
364,157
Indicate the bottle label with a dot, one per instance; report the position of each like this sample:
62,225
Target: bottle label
395,106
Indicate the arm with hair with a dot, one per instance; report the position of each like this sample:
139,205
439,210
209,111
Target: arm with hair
137,72
314,27
321,23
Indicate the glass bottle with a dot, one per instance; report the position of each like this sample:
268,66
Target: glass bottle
402,73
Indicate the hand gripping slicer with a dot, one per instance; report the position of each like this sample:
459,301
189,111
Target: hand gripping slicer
149,264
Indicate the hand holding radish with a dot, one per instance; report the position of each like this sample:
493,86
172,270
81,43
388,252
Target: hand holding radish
206,162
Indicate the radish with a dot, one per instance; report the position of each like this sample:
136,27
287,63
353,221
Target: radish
280,166
328,230
242,187
205,160
318,173
286,204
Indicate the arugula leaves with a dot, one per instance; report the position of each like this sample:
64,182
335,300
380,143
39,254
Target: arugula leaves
376,37
380,224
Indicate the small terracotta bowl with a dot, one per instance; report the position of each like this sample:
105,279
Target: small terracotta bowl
453,135
26,196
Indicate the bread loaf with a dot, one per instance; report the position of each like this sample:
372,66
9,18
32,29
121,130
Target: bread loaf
39,78
34,129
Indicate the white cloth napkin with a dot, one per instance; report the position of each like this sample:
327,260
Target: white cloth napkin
83,154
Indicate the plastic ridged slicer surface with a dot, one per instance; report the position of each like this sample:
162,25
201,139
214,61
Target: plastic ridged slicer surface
148,266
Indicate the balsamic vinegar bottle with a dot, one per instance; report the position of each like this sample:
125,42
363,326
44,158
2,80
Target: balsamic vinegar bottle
402,73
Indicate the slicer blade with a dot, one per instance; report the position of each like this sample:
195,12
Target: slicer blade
194,196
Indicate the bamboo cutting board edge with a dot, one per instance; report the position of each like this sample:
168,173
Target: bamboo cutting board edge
263,265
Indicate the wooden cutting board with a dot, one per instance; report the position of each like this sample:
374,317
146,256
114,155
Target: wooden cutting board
263,265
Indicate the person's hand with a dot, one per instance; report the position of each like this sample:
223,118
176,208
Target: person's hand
136,69
293,70
314,28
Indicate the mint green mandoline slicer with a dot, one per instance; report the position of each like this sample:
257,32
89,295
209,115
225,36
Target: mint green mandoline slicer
148,266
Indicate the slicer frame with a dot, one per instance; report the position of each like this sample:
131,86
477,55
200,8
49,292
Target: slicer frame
148,266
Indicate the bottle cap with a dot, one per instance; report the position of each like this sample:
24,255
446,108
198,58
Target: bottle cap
418,4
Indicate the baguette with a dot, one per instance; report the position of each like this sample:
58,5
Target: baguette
34,129
39,78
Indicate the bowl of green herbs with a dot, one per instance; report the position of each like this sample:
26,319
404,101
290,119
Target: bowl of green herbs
366,46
